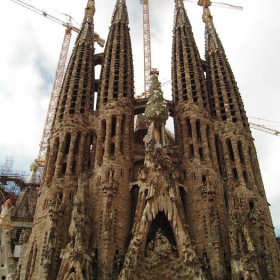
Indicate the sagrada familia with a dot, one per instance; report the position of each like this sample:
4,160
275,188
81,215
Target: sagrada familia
122,198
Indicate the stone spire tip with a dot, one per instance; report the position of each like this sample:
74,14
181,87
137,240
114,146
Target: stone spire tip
89,11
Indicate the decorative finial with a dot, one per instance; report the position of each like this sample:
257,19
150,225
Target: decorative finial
89,11
155,109
156,112
204,3
120,12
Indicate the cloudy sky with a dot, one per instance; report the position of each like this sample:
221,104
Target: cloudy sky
30,46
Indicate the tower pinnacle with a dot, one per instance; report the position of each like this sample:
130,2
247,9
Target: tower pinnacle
212,42
89,11
204,3
120,12
156,112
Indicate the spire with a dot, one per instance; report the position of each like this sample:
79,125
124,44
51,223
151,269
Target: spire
225,99
180,15
89,12
86,32
120,13
75,95
188,81
116,83
155,109
212,40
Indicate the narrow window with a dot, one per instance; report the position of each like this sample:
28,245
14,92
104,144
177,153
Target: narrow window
67,144
201,154
240,151
189,127
230,150
191,151
112,152
114,121
198,133
234,173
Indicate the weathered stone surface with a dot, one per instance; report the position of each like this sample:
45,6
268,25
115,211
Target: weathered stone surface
125,202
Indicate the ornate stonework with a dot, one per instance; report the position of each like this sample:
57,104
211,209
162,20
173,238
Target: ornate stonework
126,202
153,256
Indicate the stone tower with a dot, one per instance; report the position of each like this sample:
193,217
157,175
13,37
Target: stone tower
122,198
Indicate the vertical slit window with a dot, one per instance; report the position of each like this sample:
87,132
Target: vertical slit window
230,150
220,156
64,166
103,131
234,173
245,176
189,127
240,151
201,154
191,151
253,165
67,144
76,149
74,167
208,141
112,149
114,122
198,132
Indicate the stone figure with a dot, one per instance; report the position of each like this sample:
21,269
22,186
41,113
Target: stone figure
162,245
150,249
6,210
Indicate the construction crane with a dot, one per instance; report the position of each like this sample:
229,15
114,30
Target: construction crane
147,45
264,129
147,50
207,3
58,75
147,37
68,24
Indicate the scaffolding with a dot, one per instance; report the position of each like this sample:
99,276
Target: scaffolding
20,189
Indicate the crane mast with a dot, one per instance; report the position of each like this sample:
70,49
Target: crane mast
147,45
54,96
58,75
147,36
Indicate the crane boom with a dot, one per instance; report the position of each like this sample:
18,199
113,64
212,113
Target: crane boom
67,25
207,3
147,51
43,13
264,129
147,45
